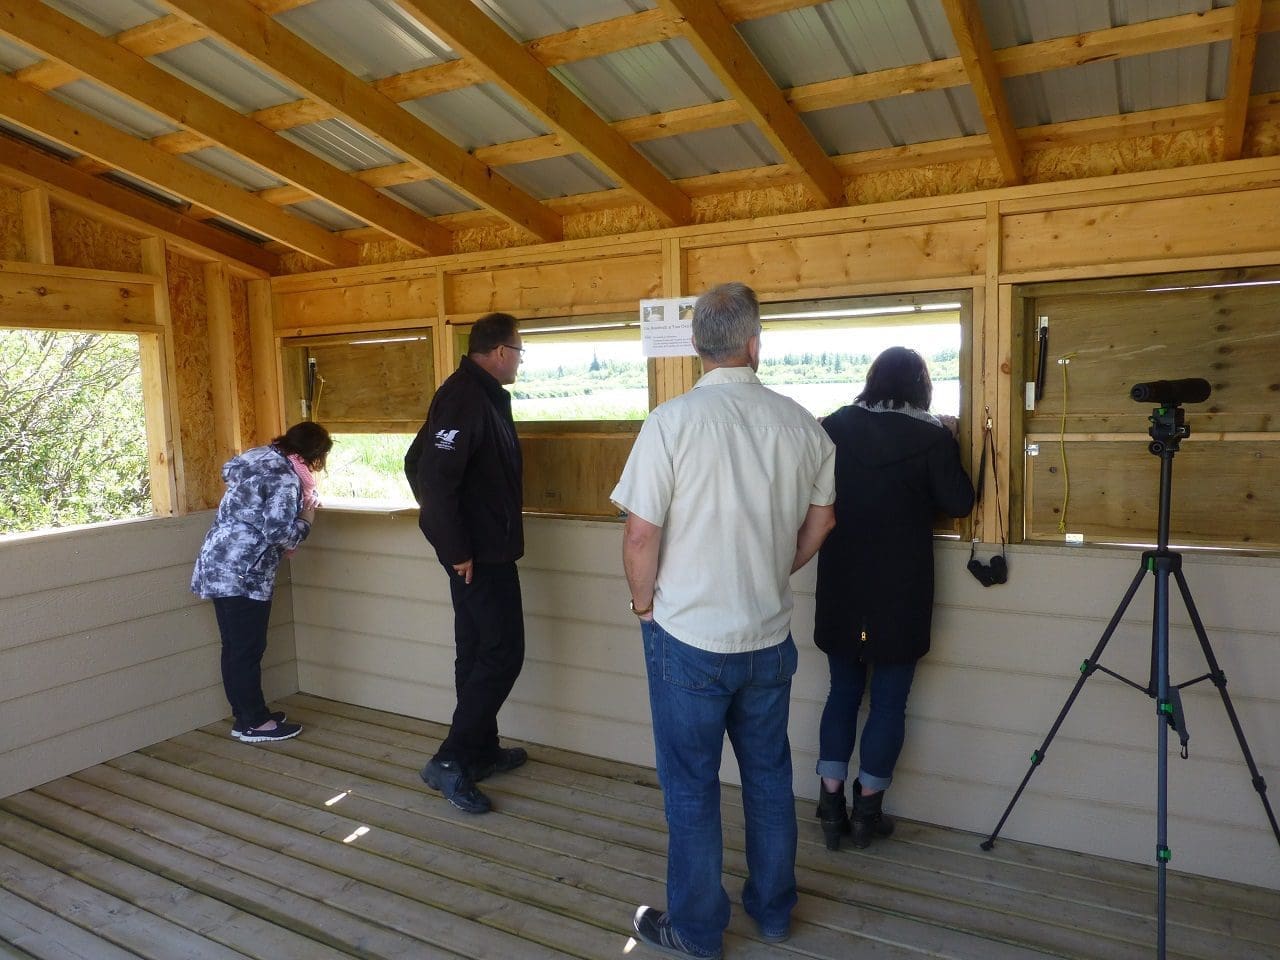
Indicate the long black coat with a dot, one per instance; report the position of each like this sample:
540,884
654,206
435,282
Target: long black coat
895,472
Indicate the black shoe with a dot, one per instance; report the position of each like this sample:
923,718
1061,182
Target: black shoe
281,731
653,927
450,779
237,732
504,761
869,820
833,816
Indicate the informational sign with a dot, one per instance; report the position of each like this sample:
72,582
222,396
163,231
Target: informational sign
666,327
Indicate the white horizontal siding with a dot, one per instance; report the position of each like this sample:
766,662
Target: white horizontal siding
105,650
374,627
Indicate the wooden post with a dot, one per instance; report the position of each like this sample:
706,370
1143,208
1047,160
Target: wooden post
160,393
37,225
268,391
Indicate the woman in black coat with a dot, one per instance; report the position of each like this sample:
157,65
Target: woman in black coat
897,467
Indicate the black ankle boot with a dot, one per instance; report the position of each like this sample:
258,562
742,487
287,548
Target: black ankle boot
868,819
833,815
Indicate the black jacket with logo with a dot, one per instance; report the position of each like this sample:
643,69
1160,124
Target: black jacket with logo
895,472
465,470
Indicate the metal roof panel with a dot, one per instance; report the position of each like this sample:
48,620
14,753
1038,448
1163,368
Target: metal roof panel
529,19
430,197
370,38
324,214
215,69
109,107
846,37
740,147
109,17
1266,73
642,80
896,121
227,166
476,116
22,133
557,176
15,56
341,144
1011,22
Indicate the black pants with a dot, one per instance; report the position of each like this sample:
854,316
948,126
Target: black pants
243,625
488,630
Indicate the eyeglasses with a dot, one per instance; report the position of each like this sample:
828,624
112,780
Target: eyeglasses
512,346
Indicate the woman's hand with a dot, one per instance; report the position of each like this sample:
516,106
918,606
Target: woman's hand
308,514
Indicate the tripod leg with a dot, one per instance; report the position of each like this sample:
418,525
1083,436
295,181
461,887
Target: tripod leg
1086,670
1219,680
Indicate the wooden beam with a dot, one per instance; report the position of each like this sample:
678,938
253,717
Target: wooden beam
222,362
980,65
67,41
1244,52
62,300
37,225
736,66
506,62
161,401
145,40
82,133
283,53
28,167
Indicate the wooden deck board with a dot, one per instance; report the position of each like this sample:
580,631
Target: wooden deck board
206,848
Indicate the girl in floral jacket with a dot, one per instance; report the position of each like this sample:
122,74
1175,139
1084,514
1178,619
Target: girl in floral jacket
266,512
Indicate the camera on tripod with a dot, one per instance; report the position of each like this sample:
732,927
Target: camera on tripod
1168,421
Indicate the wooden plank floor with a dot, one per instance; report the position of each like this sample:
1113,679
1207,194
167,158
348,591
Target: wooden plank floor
329,847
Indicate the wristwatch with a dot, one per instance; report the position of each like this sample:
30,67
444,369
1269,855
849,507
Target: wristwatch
639,613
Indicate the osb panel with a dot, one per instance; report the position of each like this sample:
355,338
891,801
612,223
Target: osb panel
933,180
244,358
387,251
1221,492
556,289
13,245
1133,155
291,261
365,304
81,242
827,263
188,307
494,237
1213,225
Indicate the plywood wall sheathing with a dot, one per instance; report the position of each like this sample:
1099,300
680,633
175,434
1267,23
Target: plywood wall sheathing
79,241
242,340
12,244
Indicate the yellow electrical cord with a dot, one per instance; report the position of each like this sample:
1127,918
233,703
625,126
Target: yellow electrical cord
1064,361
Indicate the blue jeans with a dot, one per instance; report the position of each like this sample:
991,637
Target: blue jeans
885,728
696,698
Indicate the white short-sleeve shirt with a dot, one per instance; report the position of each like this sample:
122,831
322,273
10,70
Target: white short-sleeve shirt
728,471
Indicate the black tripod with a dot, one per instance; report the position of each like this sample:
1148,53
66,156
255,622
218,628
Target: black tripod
1168,428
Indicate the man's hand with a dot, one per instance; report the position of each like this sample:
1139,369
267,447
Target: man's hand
463,570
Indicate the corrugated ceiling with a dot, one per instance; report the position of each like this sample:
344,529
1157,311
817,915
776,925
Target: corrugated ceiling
530,19
370,38
476,116
215,69
642,80
108,17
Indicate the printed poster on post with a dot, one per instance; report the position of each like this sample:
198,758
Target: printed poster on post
666,327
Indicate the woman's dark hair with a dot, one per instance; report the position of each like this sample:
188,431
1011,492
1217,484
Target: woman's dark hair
308,440
491,331
898,377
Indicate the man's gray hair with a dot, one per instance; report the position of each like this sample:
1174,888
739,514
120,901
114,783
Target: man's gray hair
724,319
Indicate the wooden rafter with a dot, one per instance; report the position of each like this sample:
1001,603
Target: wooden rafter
1244,52
732,61
507,63
980,65
82,133
78,47
145,40
258,37
1115,43
28,166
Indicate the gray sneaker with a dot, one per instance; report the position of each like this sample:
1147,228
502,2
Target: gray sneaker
450,779
653,927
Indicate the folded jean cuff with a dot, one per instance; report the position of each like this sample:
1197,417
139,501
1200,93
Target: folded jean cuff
833,769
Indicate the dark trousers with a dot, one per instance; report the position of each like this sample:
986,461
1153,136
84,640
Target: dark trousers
243,625
488,630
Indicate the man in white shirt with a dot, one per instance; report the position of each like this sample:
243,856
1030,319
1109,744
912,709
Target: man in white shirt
728,490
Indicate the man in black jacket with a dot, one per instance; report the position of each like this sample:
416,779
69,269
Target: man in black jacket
464,468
